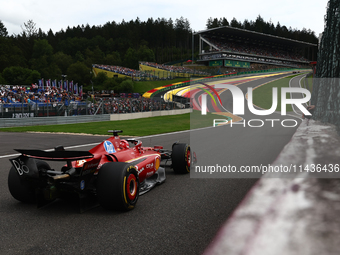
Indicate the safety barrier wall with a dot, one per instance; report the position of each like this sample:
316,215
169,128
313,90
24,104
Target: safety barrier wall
102,105
295,215
36,121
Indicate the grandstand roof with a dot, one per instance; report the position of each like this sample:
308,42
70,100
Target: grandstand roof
228,32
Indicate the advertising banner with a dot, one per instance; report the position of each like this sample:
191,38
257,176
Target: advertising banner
233,63
216,63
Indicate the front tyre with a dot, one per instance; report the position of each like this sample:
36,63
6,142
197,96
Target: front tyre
118,186
181,158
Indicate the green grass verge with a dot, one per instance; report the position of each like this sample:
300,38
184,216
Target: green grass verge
200,121
144,86
135,127
262,96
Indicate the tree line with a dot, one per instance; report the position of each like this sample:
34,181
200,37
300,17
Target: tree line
35,54
266,27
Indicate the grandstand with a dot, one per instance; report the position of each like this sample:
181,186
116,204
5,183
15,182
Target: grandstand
163,70
148,71
239,48
120,72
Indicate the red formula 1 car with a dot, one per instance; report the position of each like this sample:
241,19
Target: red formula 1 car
112,174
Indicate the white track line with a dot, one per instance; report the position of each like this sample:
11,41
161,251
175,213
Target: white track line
291,96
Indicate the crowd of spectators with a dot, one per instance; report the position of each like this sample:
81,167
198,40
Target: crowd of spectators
134,74
176,69
142,75
228,46
132,105
255,59
33,94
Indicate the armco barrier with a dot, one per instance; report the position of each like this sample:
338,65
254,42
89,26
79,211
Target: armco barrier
36,121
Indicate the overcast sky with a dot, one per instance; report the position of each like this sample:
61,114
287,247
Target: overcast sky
58,14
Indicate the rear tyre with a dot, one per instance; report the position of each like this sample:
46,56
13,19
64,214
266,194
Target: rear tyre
181,158
20,188
118,186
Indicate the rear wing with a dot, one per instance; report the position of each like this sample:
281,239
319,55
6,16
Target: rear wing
61,155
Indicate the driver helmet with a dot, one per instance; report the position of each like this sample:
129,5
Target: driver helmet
124,144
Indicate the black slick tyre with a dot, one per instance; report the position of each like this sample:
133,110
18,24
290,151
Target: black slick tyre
20,188
118,186
181,158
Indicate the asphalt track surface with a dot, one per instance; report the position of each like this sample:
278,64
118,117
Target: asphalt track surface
257,142
181,216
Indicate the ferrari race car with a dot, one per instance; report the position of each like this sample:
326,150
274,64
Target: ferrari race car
113,174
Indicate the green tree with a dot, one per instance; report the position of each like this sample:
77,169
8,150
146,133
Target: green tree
5,48
131,59
10,54
41,65
3,30
125,87
259,24
215,23
110,84
145,54
16,75
113,59
53,71
42,48
79,72
209,23
235,23
33,77
247,25
29,29
224,22
94,57
100,79
62,60
79,57
98,42
42,58
2,80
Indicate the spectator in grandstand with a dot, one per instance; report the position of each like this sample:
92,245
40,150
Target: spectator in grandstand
20,94
258,50
177,69
122,70
10,94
